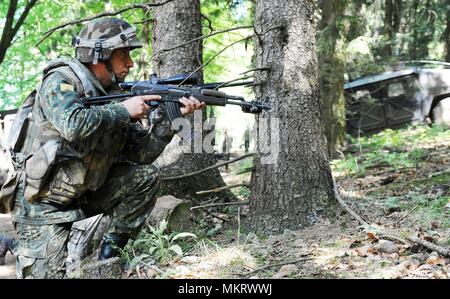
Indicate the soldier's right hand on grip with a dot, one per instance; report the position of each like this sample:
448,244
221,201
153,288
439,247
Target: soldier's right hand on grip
137,107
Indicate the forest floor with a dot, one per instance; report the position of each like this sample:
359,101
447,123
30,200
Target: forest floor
397,181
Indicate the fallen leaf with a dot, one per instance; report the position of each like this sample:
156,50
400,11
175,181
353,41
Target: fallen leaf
436,260
372,236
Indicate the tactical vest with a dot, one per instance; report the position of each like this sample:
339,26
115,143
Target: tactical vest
34,145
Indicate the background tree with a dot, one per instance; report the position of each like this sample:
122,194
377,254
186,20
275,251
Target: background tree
332,69
446,36
296,189
176,23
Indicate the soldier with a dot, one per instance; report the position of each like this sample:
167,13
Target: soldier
246,139
79,161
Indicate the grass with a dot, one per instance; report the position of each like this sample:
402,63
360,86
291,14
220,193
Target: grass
397,149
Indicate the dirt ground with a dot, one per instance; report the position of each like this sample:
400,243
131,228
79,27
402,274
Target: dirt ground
400,202
403,202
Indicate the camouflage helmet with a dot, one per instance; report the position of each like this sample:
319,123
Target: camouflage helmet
99,38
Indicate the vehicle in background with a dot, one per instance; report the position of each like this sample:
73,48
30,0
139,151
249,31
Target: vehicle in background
412,92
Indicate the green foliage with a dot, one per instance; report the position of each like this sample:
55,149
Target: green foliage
24,61
434,210
245,192
155,243
393,148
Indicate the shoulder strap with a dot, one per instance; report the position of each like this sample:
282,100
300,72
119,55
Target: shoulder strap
89,84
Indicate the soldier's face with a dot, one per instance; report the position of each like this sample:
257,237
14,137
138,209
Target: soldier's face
121,63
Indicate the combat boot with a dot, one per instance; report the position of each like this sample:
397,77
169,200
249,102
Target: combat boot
5,246
111,245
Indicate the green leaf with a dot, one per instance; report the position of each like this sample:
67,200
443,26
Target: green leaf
137,259
177,249
183,235
163,225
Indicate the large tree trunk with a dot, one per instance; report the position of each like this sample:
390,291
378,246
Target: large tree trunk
331,69
292,187
177,22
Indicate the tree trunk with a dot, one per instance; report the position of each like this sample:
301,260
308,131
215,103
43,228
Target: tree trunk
292,184
175,23
331,69
426,36
397,15
447,34
388,28
10,28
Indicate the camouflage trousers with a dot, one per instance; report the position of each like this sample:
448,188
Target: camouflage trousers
128,196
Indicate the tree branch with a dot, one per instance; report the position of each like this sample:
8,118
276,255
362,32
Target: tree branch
222,204
204,209
413,239
103,14
230,45
214,56
197,39
211,29
231,81
221,189
6,38
206,169
23,16
256,69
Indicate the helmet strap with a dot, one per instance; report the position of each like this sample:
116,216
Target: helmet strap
110,72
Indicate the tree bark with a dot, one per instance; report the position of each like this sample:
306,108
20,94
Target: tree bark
331,69
292,185
388,28
447,34
175,23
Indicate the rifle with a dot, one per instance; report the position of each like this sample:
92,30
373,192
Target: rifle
171,93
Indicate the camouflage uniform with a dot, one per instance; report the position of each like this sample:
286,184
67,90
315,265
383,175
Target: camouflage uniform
99,162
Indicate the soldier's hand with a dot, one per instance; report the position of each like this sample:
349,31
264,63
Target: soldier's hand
191,104
136,106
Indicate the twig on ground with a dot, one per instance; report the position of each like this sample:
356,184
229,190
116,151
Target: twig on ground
204,209
434,247
407,214
412,239
344,205
303,259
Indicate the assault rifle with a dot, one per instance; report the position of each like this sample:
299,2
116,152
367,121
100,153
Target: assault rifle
170,91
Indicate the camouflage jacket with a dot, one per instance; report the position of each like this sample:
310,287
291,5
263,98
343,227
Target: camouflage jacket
88,142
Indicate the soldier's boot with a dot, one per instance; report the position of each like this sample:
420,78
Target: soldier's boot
111,245
5,246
